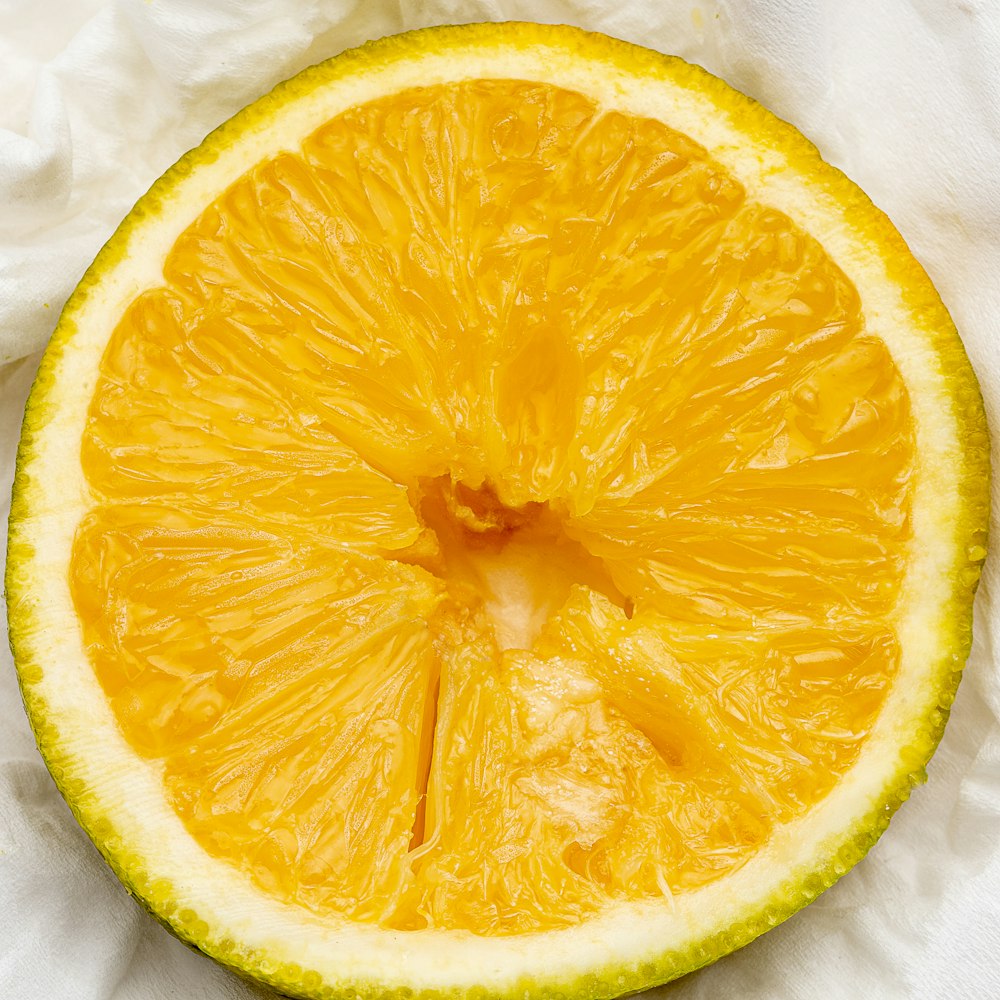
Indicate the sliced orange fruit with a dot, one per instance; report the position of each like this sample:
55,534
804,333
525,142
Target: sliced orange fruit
500,517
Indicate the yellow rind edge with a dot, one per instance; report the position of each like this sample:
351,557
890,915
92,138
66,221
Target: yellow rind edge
972,519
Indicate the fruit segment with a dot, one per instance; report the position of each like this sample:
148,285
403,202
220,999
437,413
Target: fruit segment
544,803
185,617
775,714
206,413
313,784
708,369
789,502
274,679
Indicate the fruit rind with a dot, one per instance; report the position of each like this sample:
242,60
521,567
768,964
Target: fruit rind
42,630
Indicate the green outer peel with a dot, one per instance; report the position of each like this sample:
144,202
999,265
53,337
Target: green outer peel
919,729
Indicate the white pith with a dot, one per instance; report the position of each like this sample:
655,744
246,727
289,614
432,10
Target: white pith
118,785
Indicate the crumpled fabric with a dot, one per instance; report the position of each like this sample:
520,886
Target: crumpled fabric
98,98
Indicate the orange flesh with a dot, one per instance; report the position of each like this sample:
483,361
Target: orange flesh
496,515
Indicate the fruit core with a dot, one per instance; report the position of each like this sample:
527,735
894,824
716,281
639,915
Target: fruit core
518,562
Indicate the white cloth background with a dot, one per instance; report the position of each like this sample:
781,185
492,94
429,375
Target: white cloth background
97,98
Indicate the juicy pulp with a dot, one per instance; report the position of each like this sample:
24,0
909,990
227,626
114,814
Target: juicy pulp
496,515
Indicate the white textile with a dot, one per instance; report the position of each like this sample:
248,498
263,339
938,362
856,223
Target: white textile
97,98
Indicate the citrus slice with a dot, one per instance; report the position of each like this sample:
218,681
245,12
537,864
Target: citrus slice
499,518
